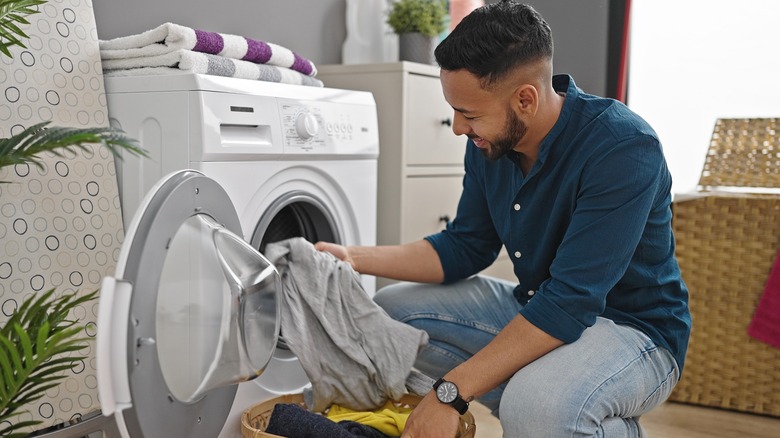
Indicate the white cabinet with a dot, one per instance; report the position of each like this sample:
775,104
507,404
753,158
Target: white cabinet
420,158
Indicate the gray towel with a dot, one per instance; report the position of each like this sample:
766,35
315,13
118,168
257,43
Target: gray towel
354,354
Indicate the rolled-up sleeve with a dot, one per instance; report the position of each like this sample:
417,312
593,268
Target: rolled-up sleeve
469,243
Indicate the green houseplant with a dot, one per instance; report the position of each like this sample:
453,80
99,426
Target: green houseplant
418,24
422,16
40,342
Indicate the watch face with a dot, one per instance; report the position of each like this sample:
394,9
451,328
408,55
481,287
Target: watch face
447,392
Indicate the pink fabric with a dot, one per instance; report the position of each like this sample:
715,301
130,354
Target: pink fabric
765,325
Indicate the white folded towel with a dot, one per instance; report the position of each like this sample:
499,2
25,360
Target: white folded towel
203,63
170,37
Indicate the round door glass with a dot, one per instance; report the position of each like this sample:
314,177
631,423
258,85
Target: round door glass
217,310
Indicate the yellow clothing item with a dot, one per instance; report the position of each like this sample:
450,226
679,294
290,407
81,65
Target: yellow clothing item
389,419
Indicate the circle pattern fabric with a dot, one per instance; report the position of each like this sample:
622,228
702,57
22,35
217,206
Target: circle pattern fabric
60,225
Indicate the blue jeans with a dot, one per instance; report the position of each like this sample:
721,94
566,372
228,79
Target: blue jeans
597,386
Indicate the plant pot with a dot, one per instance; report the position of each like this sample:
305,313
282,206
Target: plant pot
416,47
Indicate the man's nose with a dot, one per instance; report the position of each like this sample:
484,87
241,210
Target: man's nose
460,125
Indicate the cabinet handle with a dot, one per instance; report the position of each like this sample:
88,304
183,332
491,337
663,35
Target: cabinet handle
447,121
444,218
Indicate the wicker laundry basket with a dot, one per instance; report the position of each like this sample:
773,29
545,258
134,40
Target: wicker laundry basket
726,245
255,419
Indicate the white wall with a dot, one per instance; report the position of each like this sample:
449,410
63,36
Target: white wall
694,61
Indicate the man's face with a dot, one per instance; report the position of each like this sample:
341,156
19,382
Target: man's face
486,117
513,132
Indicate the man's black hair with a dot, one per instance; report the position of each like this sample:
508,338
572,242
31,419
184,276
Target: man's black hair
494,39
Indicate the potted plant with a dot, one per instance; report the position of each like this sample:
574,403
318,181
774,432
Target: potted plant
418,24
40,341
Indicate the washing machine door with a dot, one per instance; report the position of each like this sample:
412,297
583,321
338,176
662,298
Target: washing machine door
192,311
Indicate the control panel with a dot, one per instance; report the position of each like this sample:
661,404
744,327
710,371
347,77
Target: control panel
325,127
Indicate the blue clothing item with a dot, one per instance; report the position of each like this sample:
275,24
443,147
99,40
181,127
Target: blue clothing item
588,229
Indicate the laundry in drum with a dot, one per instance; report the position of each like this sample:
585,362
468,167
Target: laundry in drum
336,330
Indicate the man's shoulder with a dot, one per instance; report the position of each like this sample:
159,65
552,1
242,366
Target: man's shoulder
612,118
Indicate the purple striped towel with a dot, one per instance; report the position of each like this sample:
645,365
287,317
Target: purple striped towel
187,61
170,37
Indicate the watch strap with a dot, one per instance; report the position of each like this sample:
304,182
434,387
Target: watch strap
459,404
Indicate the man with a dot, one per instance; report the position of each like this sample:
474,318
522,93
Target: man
576,187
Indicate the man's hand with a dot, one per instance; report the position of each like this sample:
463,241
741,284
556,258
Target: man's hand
339,251
432,419
414,261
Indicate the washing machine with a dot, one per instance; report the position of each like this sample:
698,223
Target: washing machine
189,337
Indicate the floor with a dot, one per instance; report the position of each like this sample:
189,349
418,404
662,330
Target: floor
671,420
488,426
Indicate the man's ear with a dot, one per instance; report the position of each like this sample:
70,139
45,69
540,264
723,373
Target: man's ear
527,99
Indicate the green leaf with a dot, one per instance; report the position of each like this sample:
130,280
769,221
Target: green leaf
15,29
39,345
34,393
12,14
28,145
27,346
4,432
13,352
41,336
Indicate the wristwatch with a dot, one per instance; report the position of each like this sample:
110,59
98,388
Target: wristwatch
447,393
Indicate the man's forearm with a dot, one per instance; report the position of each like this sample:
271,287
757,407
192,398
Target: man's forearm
415,261
517,345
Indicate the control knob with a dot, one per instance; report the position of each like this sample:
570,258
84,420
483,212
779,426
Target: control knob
306,125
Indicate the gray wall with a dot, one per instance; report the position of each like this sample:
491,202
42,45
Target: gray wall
316,29
580,32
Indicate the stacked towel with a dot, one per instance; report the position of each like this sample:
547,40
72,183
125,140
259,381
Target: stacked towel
193,62
765,325
171,47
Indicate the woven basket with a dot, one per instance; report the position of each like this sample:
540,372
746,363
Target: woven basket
743,153
726,245
255,419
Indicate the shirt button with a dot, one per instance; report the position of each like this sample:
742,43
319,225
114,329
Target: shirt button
531,293
517,254
517,207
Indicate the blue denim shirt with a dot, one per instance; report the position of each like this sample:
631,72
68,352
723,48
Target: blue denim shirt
588,229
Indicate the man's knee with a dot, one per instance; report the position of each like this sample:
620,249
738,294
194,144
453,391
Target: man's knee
396,300
527,411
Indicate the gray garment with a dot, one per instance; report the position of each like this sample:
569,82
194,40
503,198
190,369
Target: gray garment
354,354
418,383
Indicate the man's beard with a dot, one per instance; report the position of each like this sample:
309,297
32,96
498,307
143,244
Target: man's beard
515,131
